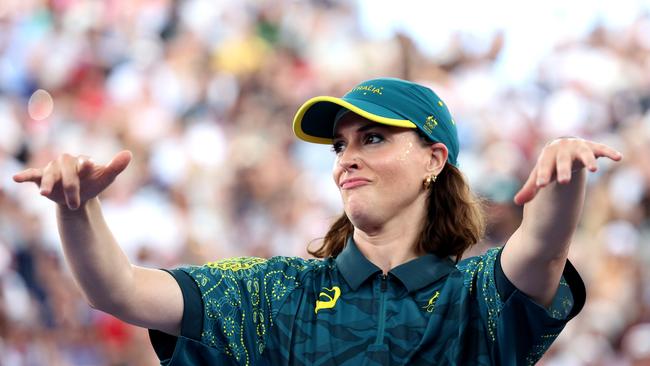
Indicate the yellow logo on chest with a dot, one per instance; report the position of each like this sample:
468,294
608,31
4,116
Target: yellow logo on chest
329,298
432,302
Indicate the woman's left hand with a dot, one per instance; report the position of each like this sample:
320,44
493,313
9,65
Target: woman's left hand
559,159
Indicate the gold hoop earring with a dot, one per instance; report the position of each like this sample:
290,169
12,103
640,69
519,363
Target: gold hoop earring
429,180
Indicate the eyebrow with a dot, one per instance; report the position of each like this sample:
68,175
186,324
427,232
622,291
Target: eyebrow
366,127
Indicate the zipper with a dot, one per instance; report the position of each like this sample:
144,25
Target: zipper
382,310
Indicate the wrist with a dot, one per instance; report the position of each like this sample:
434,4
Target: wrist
65,212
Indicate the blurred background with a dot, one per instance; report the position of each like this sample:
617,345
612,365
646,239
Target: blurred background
203,93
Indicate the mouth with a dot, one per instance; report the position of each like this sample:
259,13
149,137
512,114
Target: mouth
353,183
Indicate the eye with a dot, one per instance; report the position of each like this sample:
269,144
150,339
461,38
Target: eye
338,147
372,138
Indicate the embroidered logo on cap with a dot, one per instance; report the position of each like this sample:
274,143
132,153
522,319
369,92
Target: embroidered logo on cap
429,124
368,88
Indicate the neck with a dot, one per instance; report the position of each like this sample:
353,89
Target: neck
387,243
387,248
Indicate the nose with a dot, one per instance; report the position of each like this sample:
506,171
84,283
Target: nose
349,159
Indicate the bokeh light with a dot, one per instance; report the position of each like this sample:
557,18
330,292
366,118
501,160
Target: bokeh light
40,105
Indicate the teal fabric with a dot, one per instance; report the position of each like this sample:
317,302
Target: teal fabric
343,311
391,98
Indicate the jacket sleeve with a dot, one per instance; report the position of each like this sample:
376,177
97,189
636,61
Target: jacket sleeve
519,329
228,307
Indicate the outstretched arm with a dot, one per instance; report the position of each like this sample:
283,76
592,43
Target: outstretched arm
141,296
534,257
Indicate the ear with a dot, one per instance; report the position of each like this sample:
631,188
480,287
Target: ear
438,158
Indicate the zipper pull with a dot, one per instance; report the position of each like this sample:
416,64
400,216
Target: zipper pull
384,285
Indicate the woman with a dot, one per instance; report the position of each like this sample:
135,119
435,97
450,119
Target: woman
391,288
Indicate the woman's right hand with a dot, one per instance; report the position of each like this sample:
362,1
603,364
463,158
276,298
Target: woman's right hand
72,180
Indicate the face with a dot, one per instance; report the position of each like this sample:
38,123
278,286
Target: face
380,169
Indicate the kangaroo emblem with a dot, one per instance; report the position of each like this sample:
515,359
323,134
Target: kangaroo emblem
329,301
432,302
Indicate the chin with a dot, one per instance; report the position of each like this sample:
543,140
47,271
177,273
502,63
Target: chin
361,215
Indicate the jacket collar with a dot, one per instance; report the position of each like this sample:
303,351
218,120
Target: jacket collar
414,274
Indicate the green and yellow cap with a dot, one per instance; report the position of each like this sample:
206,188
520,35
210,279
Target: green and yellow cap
389,101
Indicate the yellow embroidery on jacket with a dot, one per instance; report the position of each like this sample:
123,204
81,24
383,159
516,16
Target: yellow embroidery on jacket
236,264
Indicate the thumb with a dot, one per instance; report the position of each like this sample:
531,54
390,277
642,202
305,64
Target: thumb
524,195
118,164
528,191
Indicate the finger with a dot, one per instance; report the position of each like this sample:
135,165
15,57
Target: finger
545,168
51,175
586,156
118,164
563,161
528,190
28,175
602,150
70,182
85,166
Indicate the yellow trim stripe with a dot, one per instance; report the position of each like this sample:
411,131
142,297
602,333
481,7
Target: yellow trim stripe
297,120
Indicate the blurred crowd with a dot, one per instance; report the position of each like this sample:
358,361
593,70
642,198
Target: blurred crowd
203,93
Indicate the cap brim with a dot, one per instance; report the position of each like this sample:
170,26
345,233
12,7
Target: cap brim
314,121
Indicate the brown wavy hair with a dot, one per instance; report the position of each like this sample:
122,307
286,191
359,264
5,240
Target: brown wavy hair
455,220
